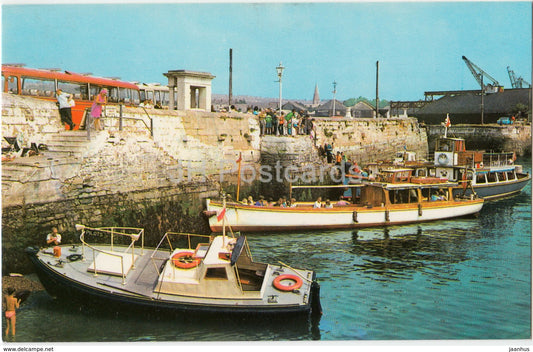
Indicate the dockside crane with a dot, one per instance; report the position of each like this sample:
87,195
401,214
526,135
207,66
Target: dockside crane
517,82
478,74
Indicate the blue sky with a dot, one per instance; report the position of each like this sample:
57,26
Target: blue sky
419,45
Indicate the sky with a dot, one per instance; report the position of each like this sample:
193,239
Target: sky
419,46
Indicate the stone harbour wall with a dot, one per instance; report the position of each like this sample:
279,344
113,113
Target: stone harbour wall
368,140
491,137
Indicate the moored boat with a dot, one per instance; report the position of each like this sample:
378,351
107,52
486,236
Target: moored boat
184,274
487,175
397,200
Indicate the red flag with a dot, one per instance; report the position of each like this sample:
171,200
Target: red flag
220,215
448,122
240,158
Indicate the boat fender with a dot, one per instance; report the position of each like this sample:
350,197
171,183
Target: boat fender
287,288
185,260
387,215
354,216
74,257
443,159
419,209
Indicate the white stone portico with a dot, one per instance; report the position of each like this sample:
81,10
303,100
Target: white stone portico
194,89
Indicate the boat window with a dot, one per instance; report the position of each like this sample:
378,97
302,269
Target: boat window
421,172
38,87
510,175
216,273
501,176
480,178
403,196
444,145
78,90
492,177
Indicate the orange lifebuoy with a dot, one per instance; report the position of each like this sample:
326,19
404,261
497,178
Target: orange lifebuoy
185,260
296,285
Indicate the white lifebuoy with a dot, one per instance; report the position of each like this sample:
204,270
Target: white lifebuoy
443,159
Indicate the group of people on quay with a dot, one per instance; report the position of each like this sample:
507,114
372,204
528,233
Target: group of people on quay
281,124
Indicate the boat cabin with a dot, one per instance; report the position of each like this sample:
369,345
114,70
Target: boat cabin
398,186
222,268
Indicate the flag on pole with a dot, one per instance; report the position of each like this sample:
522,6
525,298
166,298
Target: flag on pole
448,122
221,214
240,158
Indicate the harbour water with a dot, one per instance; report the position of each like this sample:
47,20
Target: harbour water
463,279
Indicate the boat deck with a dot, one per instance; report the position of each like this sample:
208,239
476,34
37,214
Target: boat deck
141,280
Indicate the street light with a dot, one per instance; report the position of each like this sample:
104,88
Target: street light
334,92
280,69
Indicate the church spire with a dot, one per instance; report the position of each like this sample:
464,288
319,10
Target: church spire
316,98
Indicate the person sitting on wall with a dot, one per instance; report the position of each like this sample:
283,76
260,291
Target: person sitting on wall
53,237
318,203
328,204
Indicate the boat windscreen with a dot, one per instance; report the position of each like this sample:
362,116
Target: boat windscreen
237,250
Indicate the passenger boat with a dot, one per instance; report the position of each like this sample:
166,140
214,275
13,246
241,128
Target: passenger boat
488,175
184,273
399,199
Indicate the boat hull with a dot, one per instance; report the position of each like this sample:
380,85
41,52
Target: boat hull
492,191
251,218
64,287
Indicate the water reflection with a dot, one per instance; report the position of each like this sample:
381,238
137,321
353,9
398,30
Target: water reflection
76,322
394,253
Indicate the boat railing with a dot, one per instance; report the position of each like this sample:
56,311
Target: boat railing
498,159
169,238
114,232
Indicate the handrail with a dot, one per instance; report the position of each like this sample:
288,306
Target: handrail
113,231
89,120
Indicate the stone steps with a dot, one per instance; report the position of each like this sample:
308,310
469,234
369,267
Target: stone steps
64,149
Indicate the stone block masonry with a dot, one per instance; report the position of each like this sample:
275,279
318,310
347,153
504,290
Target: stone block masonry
368,140
490,137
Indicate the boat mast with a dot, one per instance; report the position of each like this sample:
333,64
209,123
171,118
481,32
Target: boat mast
224,220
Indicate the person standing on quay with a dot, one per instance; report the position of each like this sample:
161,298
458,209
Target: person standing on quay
96,109
64,100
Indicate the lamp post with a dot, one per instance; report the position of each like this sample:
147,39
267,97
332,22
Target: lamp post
280,69
334,92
